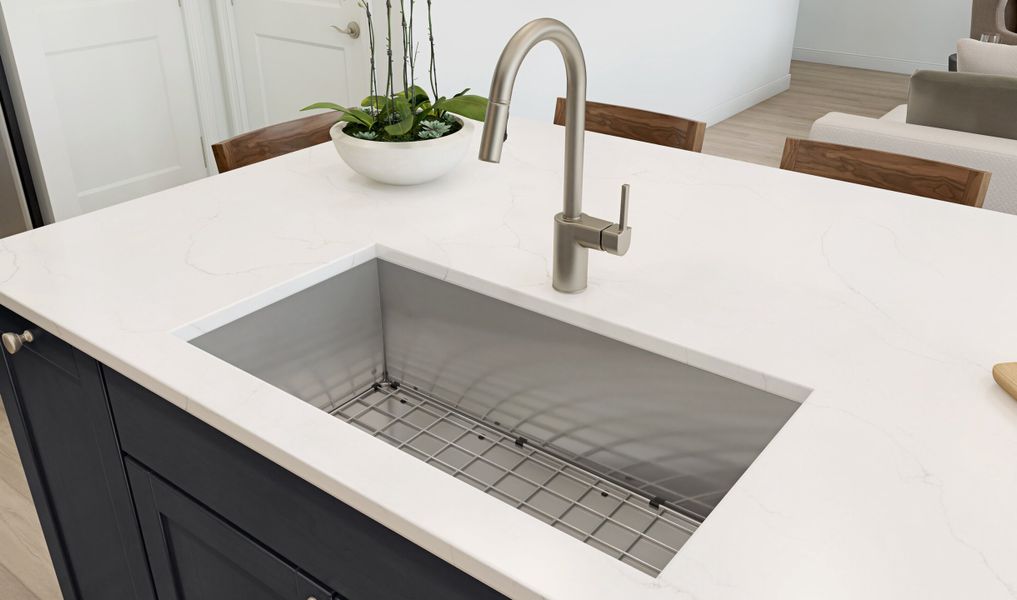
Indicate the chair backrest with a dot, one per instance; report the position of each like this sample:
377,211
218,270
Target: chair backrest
272,141
640,125
896,172
994,16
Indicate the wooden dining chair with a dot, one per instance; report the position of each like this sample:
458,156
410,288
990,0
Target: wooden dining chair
272,141
639,125
896,172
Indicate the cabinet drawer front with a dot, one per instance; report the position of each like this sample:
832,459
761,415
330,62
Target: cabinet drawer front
196,555
353,555
45,346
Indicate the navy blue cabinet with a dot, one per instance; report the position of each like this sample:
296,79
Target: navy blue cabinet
56,402
197,555
351,554
141,501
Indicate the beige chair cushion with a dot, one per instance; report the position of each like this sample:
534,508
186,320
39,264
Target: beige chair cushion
995,155
982,57
897,115
971,102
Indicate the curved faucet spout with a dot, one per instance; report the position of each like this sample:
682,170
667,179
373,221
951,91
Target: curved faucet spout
575,233
496,124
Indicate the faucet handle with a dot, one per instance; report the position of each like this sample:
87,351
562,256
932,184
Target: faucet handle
623,219
617,238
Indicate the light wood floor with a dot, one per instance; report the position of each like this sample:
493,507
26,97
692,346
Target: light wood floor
756,135
26,572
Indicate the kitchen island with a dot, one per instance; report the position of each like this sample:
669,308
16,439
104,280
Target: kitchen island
881,313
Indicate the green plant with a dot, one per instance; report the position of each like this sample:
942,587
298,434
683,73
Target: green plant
412,114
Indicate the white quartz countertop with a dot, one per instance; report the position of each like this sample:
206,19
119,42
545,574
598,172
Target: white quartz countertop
897,478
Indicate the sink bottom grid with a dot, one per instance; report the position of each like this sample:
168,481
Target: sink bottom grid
626,525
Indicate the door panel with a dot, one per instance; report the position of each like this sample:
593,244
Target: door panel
195,555
291,57
60,418
348,552
110,96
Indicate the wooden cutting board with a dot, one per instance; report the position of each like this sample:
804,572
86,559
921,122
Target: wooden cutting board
1006,377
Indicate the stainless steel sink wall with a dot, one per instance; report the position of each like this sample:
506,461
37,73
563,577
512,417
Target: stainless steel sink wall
321,345
671,430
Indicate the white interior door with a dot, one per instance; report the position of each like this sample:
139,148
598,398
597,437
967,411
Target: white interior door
290,56
108,97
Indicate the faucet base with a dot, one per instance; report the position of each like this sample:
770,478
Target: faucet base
573,240
572,243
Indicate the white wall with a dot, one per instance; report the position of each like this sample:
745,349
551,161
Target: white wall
887,35
700,59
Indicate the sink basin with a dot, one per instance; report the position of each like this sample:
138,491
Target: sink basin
624,449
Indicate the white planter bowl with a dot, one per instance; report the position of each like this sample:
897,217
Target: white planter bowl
404,163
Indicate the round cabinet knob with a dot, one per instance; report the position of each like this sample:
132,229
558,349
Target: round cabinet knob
13,341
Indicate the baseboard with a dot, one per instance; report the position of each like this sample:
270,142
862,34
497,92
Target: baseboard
732,107
865,61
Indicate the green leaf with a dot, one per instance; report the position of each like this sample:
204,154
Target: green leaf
416,95
378,101
351,115
406,121
426,109
439,104
400,102
416,90
471,107
325,106
462,93
358,116
420,116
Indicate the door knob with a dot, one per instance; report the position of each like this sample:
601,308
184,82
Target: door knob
352,30
13,341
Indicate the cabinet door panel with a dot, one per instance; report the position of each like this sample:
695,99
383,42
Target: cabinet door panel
345,550
56,402
195,555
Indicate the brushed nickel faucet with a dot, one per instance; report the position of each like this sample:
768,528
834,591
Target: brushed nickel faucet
575,233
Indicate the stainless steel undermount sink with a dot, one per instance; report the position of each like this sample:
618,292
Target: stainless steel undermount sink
621,448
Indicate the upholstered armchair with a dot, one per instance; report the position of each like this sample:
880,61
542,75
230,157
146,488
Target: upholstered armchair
995,16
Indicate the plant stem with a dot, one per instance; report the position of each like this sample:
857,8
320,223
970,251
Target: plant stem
391,63
434,66
374,67
412,52
406,52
